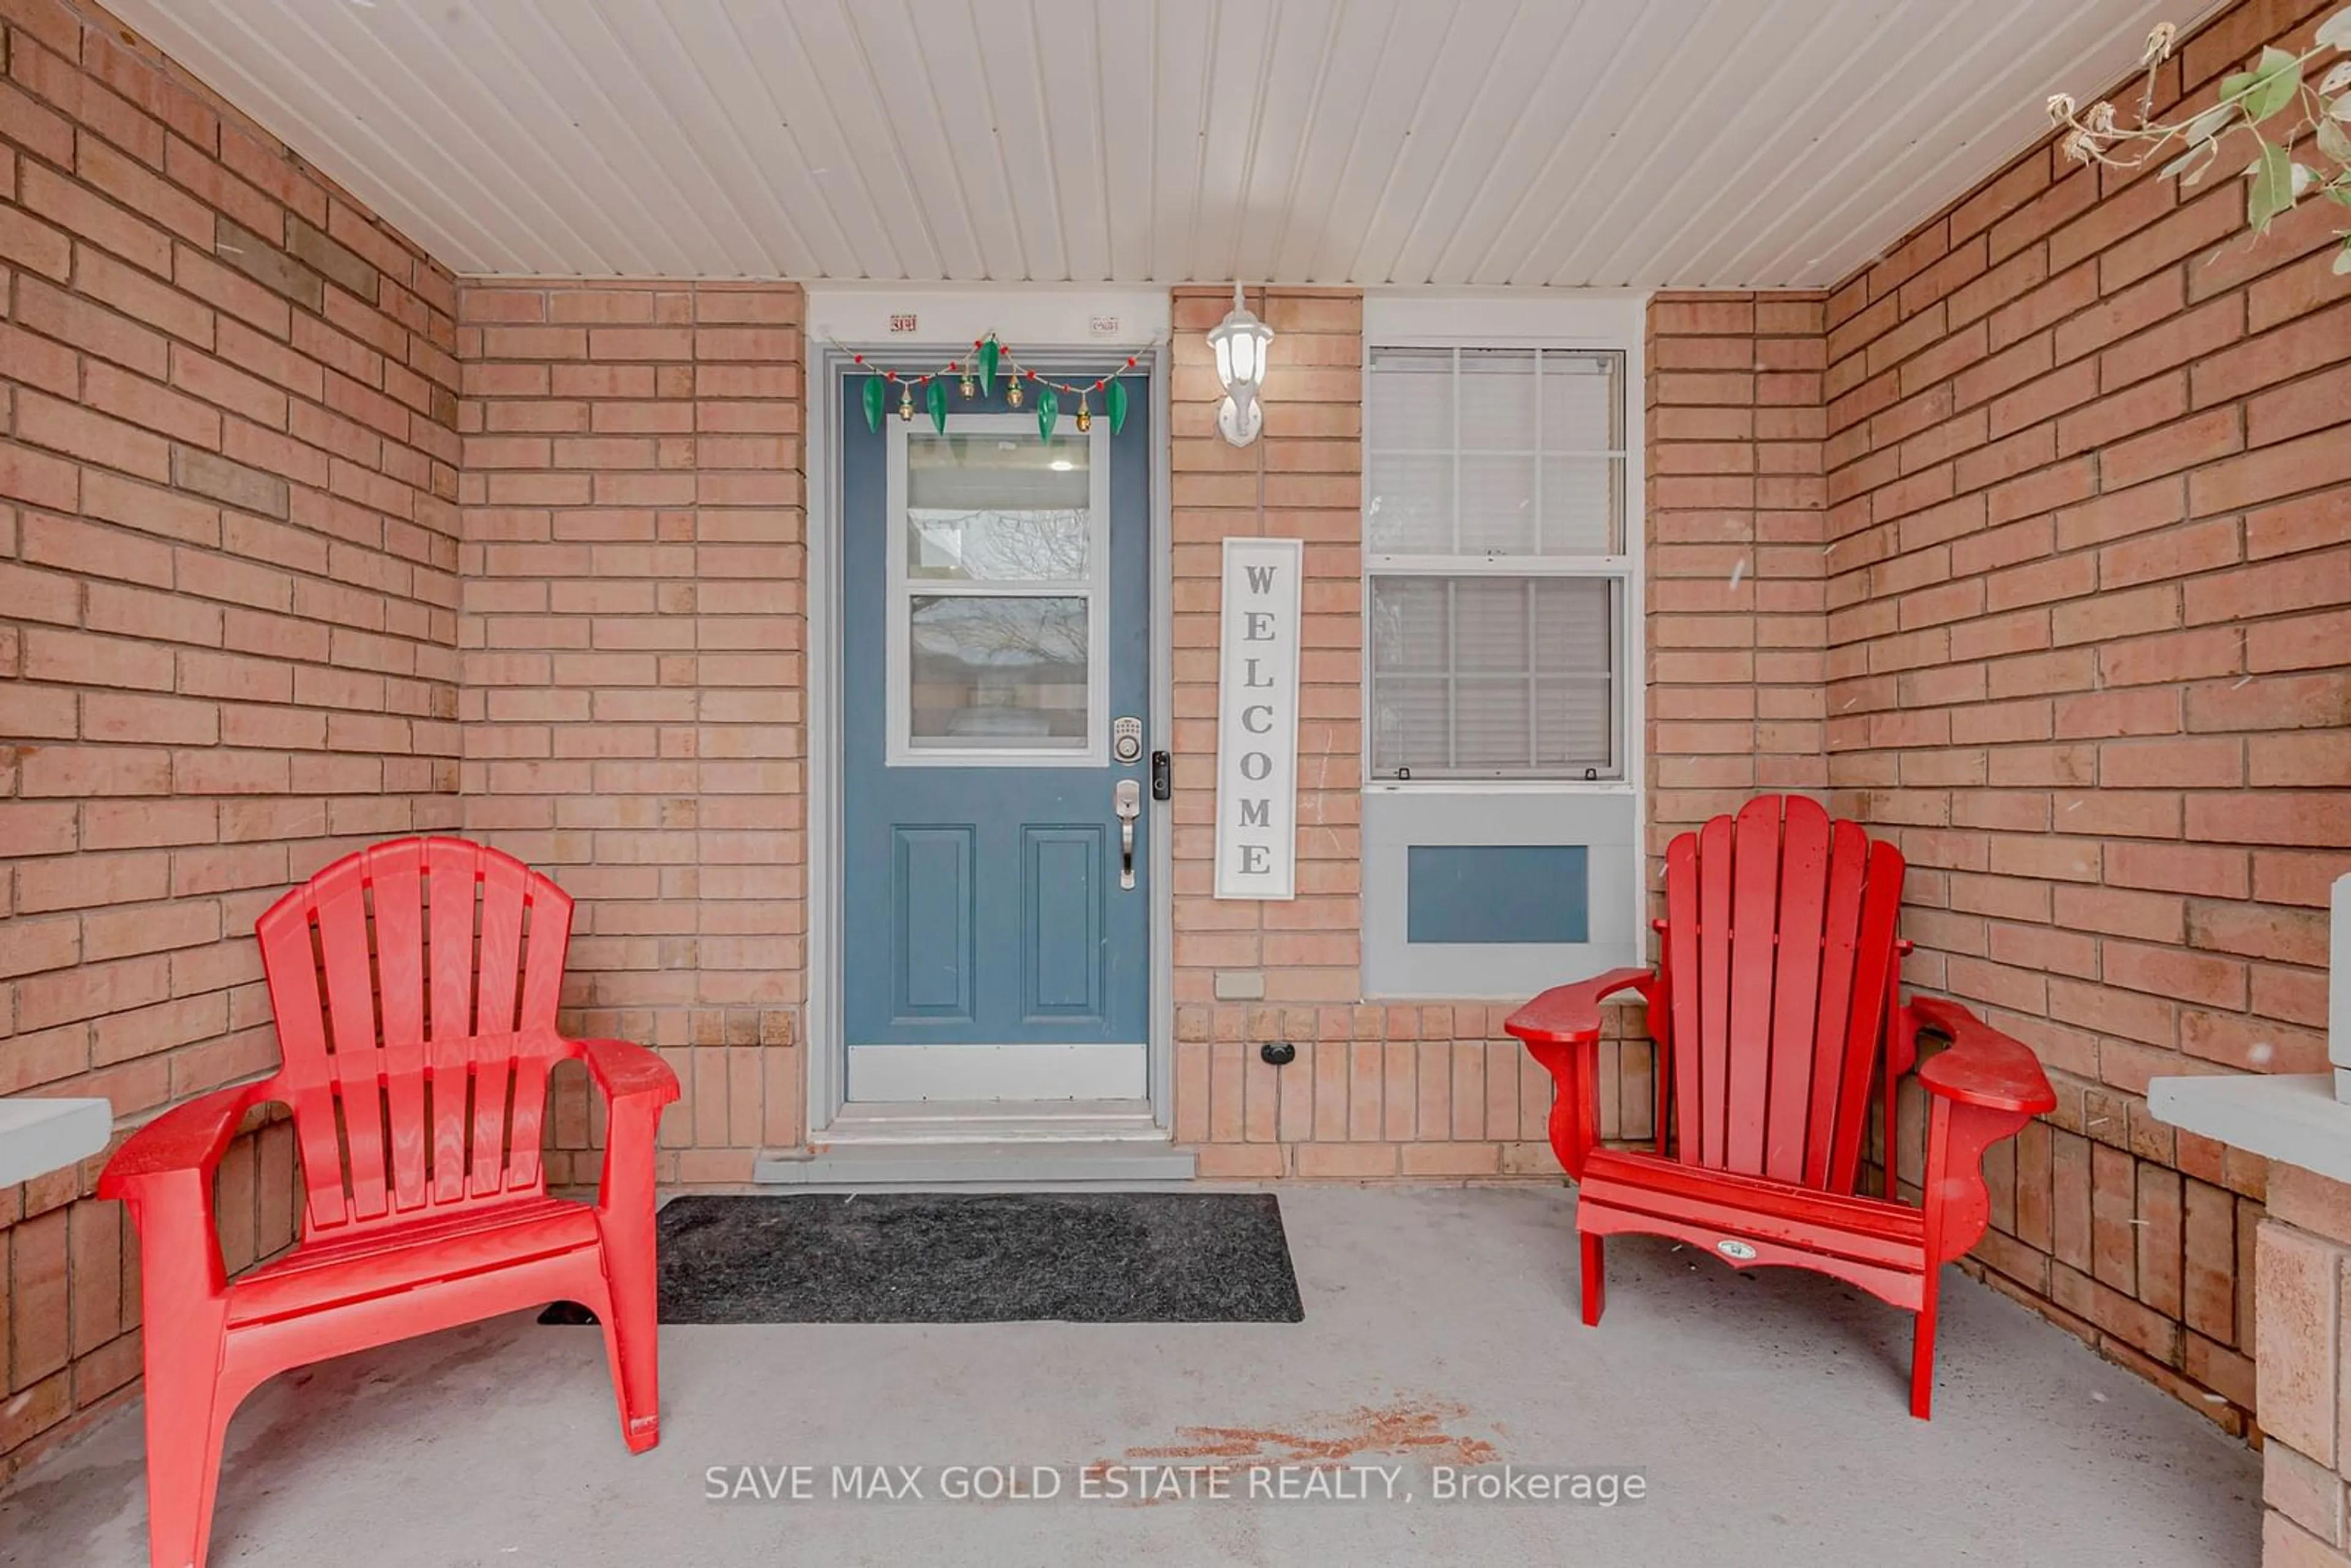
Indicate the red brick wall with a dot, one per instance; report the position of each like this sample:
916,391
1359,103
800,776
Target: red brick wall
2089,603
1737,572
635,691
228,619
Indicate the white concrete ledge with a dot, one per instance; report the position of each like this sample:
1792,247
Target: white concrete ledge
2292,1117
37,1135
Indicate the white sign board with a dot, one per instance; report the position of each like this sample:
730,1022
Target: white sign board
1257,720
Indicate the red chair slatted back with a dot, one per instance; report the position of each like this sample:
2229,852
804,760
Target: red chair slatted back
400,976
1779,968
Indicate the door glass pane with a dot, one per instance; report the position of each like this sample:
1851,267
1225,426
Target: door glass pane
994,509
996,671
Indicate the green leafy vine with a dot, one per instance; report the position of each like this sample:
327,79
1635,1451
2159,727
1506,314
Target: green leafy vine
2300,129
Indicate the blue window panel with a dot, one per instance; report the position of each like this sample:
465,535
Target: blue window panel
1498,894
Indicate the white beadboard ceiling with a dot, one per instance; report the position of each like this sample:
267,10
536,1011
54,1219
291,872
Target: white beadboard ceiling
1753,143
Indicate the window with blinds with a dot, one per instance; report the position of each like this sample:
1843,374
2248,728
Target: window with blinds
1494,542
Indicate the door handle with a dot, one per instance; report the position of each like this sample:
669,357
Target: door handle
1129,805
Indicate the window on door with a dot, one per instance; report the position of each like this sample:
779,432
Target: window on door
1494,544
996,577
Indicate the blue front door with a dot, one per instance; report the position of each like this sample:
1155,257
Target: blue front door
996,681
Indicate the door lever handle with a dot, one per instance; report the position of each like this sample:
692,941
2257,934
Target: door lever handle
1128,802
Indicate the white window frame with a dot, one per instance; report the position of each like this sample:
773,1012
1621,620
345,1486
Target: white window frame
1094,587
1581,321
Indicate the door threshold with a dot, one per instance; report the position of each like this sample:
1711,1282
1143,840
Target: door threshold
903,1122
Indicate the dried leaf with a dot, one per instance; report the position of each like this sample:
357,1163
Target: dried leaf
2336,30
2334,140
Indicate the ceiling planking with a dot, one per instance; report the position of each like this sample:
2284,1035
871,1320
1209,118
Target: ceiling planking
1643,144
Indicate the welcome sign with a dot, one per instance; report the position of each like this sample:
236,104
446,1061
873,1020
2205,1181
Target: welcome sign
1257,720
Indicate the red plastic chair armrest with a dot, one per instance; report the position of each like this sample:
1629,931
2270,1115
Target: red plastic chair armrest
636,1084
1984,1067
1569,1015
189,1138
624,1070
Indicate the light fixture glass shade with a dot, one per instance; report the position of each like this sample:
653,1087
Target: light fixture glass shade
1241,340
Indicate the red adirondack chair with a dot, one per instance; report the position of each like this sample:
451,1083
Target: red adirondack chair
418,1080
1775,1000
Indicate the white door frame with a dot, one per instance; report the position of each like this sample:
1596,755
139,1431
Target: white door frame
843,320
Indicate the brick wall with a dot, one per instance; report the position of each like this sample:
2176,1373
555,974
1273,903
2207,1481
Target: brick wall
1735,632
2089,603
228,595
633,706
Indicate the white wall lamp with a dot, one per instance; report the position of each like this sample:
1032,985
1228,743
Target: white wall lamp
1241,340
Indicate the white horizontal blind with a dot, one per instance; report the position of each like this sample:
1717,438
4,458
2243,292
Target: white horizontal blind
1494,523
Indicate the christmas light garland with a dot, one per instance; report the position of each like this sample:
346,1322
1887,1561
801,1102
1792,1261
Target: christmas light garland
979,368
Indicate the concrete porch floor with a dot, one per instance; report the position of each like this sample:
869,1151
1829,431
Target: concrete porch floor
1767,1414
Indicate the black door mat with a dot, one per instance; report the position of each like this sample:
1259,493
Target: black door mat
949,1257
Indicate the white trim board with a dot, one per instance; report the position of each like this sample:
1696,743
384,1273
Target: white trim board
39,1135
861,314
1562,319
2294,1118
